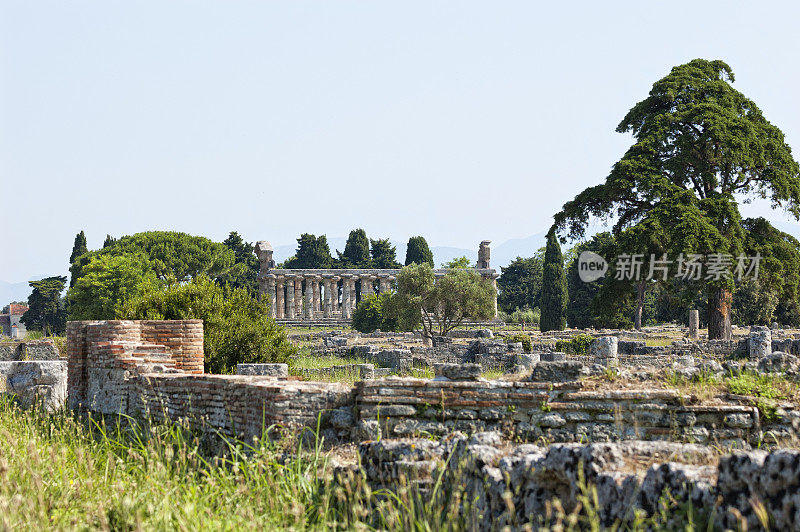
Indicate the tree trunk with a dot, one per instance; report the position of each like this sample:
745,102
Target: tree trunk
719,314
637,320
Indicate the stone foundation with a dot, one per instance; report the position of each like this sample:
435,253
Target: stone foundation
35,382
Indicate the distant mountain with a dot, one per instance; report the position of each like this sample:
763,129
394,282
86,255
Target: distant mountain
14,292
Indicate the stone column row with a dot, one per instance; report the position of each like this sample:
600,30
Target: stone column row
321,294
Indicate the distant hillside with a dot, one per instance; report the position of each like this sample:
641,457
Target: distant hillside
14,292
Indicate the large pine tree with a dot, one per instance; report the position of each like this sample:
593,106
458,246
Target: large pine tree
45,306
554,286
700,147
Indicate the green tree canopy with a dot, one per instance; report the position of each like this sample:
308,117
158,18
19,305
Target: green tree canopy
244,272
236,325
699,144
459,263
374,312
78,248
173,256
356,250
418,252
520,283
312,253
109,241
46,307
554,287
383,254
441,306
778,276
107,282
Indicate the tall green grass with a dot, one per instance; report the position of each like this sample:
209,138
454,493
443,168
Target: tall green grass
67,472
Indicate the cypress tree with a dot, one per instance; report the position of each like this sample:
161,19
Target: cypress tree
554,287
418,252
356,250
79,247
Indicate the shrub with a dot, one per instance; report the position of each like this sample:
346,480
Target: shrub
577,345
374,312
527,316
524,339
236,326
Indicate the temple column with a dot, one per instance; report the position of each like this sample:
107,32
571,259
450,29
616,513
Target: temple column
383,284
346,296
494,288
326,283
290,291
271,294
298,297
316,284
366,286
309,298
279,303
334,296
353,298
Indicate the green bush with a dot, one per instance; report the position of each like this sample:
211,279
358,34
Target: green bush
236,326
374,312
577,345
524,339
525,315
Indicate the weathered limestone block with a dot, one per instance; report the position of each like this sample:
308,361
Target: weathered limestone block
779,362
558,371
694,324
334,341
760,342
457,372
604,350
553,356
267,370
35,382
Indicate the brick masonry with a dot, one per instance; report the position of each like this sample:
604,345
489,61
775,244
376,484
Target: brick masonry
155,368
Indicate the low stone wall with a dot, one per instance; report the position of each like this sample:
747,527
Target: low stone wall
515,486
234,405
560,412
44,349
35,382
100,350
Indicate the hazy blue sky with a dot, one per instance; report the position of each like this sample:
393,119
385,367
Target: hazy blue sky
460,121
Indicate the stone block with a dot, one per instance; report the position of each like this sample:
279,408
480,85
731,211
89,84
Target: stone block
458,372
759,342
265,370
558,371
604,350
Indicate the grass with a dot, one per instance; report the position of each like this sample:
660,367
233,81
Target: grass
492,374
66,472
659,342
306,360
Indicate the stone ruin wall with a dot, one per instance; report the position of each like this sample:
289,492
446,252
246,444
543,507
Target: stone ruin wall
117,366
151,368
330,294
33,372
557,412
155,369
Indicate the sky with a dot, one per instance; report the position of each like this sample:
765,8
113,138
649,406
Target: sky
458,121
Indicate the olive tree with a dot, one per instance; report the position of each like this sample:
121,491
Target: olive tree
437,306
